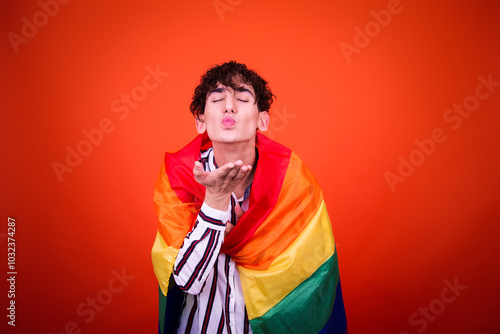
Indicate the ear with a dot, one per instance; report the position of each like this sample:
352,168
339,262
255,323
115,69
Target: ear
201,127
263,123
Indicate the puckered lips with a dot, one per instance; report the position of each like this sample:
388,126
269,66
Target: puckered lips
228,122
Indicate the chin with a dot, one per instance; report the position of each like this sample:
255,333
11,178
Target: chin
231,139
231,136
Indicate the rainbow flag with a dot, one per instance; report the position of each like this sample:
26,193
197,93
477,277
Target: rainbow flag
283,244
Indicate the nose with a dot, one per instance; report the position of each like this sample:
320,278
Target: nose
230,106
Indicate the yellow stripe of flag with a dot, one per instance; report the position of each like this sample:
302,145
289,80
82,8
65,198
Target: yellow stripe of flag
263,289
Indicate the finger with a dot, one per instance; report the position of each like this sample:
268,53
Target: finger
197,169
224,170
238,211
243,172
200,175
198,172
235,170
229,228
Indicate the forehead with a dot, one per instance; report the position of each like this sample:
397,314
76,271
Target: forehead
237,83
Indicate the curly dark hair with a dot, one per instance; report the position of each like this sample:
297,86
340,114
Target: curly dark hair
226,74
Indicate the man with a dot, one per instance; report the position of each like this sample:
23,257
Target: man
244,242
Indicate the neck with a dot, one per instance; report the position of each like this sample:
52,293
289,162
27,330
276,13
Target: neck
231,152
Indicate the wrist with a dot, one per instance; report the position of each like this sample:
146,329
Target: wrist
217,201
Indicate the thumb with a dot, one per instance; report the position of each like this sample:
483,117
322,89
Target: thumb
229,228
198,168
238,210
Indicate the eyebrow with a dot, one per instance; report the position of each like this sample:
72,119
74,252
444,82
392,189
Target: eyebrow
243,89
217,90
222,89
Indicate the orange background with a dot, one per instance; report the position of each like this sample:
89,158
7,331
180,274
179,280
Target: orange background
349,121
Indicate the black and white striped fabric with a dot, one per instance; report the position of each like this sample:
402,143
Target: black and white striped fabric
214,300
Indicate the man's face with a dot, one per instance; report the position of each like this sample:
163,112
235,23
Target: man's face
232,116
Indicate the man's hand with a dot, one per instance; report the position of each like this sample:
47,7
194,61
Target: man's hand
221,182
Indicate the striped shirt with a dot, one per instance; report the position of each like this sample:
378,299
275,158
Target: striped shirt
214,300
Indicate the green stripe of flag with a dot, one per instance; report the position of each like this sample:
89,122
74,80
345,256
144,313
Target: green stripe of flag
307,308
